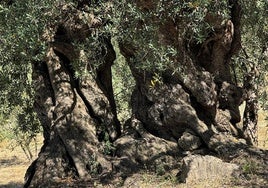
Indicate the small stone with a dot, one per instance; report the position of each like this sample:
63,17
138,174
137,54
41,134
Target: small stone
189,142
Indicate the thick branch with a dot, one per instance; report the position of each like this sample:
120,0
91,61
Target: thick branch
236,19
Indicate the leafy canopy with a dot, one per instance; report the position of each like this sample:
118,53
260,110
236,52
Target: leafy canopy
22,26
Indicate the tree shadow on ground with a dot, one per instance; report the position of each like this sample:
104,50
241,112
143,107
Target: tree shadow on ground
10,161
12,185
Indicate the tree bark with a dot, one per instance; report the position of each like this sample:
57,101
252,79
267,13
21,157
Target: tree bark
250,118
193,96
76,114
201,96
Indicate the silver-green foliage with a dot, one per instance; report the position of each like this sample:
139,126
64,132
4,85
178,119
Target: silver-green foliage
21,26
253,58
141,26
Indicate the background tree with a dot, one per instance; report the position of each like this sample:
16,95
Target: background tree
20,45
252,61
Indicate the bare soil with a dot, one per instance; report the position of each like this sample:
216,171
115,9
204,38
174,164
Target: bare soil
14,163
263,130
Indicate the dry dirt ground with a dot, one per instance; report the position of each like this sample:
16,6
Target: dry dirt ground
14,163
263,130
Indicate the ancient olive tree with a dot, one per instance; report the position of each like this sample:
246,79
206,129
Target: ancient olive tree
186,94
183,74
77,113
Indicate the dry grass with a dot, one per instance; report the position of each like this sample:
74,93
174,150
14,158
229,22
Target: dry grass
13,164
263,130
148,180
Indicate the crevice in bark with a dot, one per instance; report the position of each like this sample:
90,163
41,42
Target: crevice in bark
41,76
104,74
104,80
75,84
61,35
103,77
207,115
41,67
89,107
69,158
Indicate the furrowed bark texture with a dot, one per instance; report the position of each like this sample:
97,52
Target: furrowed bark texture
191,103
75,113
201,97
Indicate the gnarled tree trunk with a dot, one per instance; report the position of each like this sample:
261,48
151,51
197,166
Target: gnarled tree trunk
191,103
201,97
76,114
